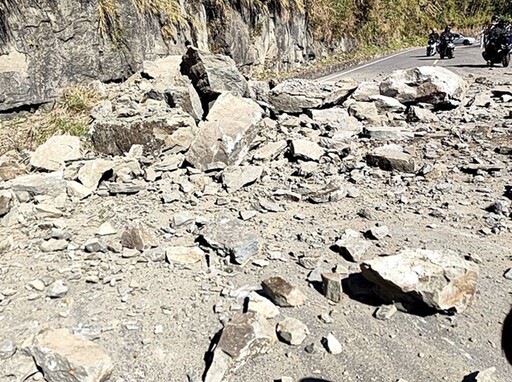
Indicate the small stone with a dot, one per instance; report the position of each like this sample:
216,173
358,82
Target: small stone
331,285
378,233
159,329
184,255
37,285
306,150
5,202
353,247
262,305
106,229
137,236
57,290
486,375
385,312
63,357
7,349
247,215
283,293
234,178
93,246
286,379
54,245
508,274
332,344
77,190
292,331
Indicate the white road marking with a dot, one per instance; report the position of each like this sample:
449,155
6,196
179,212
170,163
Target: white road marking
332,76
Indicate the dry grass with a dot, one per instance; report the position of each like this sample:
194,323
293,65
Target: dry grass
70,115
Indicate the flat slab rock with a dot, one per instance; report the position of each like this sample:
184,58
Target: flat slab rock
391,158
63,357
232,238
52,154
443,281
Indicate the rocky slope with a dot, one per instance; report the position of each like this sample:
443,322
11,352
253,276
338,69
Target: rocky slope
222,229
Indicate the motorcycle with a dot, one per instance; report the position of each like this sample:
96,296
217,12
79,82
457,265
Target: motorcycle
499,52
446,48
431,47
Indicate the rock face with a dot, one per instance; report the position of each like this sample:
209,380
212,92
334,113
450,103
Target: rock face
428,84
63,357
441,280
55,151
245,336
227,133
78,50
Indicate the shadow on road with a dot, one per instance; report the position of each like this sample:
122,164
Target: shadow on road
467,66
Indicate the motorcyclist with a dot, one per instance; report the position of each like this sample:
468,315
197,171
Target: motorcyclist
447,35
494,36
487,31
433,36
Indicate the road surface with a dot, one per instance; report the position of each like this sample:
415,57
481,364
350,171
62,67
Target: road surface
468,59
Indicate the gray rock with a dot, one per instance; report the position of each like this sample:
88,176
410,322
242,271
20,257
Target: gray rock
184,255
213,74
270,151
391,158
508,274
261,305
234,178
331,286
307,150
57,290
78,190
52,155
418,114
54,245
365,111
352,246
52,184
336,118
428,84
102,110
93,246
226,135
63,357
7,349
385,312
385,133
230,237
366,90
378,232
5,202
116,136
332,192
292,331
486,375
138,236
282,293
244,337
332,344
258,90
387,104
92,171
106,229
442,280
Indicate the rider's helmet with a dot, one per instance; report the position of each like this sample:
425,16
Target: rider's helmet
448,29
495,19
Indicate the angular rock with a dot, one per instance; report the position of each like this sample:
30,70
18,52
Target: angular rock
331,286
92,171
282,293
332,192
418,114
63,357
378,232
386,133
234,178
352,246
261,305
78,190
270,151
442,280
391,158
11,166
230,237
54,245
486,375
387,104
93,246
116,136
137,236
5,202
385,312
292,331
213,74
52,184
366,90
365,111
258,90
428,84
245,336
336,118
7,349
57,290
227,133
52,154
184,255
306,150
106,229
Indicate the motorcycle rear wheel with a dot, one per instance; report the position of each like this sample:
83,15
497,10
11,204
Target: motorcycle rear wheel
506,60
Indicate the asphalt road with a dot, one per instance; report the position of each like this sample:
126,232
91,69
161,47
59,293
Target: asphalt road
468,59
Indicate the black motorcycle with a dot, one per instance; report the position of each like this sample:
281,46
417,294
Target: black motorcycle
498,51
446,48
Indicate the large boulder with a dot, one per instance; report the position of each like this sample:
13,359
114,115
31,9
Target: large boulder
53,154
298,95
428,84
116,136
63,357
51,184
226,135
442,281
213,74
